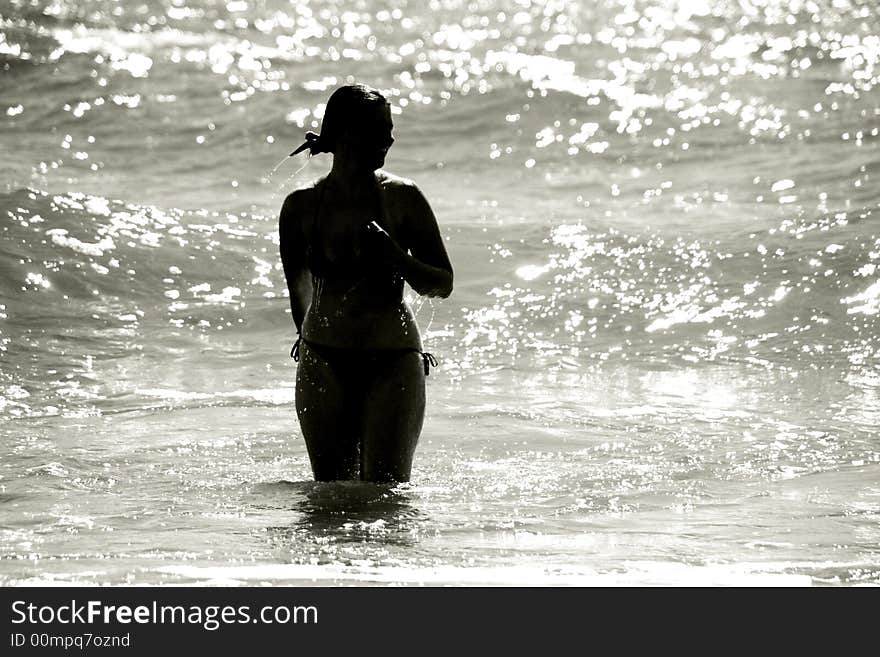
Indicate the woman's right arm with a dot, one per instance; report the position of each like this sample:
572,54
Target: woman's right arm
293,257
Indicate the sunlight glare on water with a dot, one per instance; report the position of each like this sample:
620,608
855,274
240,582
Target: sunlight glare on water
660,362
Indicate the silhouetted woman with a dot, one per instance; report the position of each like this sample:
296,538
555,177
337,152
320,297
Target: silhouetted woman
349,241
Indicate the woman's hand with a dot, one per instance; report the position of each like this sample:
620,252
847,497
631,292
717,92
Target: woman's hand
381,246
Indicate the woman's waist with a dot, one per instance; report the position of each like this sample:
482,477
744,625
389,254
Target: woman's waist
394,328
366,295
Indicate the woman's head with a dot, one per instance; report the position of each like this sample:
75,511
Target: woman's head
357,124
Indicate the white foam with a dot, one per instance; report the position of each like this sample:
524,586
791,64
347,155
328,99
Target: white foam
226,296
781,185
277,396
645,573
36,278
870,298
60,237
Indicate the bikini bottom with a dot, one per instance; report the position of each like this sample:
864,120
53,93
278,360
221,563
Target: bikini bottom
344,359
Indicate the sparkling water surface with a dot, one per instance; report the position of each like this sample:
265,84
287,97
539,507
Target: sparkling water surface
660,363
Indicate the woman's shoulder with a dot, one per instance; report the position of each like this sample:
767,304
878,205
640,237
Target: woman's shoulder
300,201
399,189
393,182
405,205
304,194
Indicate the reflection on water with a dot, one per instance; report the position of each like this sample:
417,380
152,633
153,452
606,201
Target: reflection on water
331,514
661,361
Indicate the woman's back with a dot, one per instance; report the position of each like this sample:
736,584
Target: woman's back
348,244
357,297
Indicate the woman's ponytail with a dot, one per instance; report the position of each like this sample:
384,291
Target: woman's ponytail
313,143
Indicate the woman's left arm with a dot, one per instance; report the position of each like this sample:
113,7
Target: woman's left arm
426,267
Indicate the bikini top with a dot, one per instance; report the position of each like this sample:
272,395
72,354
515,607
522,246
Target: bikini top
322,267
318,263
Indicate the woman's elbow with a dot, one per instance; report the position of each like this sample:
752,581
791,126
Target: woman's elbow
442,293
441,288
445,288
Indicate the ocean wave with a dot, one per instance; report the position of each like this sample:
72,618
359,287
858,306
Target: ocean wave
801,294
90,280
83,245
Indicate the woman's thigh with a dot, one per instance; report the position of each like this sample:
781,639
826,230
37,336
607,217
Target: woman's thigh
394,410
326,421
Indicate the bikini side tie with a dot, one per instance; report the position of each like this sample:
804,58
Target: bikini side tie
428,360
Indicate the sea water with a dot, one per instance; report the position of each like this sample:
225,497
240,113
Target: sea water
660,363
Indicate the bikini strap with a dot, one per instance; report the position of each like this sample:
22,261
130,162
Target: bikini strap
380,197
313,226
428,359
